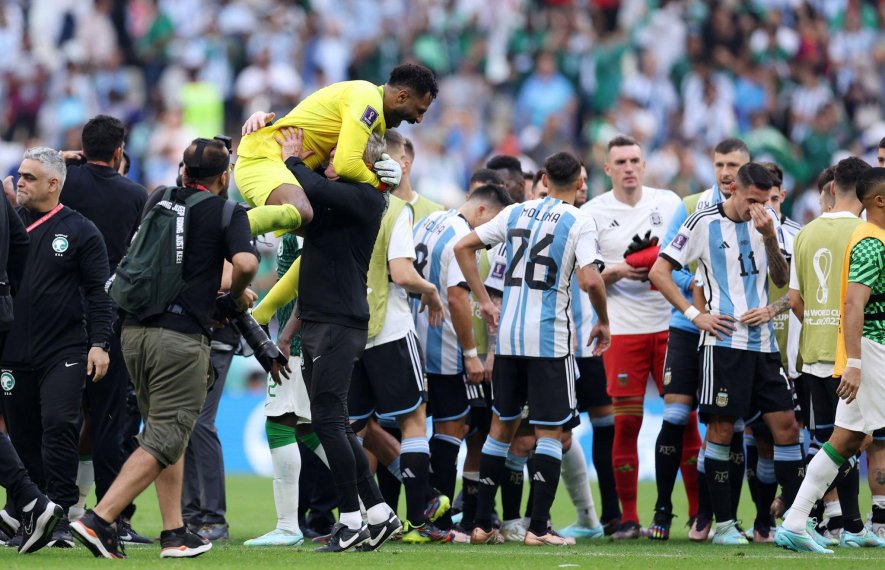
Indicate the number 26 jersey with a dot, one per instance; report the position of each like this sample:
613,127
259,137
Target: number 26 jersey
545,241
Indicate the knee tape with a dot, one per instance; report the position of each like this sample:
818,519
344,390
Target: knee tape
677,414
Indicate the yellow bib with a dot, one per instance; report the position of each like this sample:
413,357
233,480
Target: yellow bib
862,232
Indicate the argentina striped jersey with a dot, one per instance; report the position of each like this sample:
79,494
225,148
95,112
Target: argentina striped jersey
583,317
545,240
435,239
733,265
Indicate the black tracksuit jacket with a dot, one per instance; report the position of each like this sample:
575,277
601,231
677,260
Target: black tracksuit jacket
61,306
337,247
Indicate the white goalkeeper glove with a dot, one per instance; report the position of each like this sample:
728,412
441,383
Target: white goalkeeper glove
389,171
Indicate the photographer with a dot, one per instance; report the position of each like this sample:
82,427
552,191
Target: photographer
167,353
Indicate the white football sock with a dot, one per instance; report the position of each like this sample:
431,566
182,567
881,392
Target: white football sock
378,514
819,475
354,520
286,473
321,453
832,509
85,480
577,483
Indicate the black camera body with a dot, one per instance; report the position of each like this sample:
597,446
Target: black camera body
266,352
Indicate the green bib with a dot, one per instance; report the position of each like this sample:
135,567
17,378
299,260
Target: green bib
480,333
423,207
818,251
379,274
780,322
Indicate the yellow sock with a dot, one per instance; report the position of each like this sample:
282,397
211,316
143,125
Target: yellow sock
284,218
285,290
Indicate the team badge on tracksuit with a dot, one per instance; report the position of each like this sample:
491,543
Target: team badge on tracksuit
59,244
7,381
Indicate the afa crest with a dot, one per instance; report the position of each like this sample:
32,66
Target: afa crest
722,399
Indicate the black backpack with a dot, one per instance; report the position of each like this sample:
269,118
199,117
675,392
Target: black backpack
149,278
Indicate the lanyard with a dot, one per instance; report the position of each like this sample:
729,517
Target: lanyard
44,218
199,187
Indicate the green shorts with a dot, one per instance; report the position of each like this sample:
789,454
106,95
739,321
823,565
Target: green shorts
171,373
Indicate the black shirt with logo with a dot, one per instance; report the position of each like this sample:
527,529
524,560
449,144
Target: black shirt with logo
338,244
207,244
61,306
110,201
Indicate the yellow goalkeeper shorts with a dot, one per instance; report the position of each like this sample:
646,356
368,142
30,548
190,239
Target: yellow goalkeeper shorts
257,177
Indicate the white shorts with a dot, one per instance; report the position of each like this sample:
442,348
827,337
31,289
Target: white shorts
290,397
866,413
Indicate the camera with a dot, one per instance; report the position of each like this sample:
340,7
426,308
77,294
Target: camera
266,352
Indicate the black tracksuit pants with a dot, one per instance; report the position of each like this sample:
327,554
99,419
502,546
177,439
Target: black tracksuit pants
13,475
42,409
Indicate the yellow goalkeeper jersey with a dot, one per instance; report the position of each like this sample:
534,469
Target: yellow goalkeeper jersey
340,116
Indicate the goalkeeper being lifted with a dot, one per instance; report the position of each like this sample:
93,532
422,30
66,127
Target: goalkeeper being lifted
340,116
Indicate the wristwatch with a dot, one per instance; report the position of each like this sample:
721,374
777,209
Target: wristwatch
106,346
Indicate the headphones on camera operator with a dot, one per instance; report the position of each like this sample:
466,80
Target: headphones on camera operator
195,168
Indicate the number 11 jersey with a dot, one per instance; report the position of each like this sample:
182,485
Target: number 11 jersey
733,266
545,241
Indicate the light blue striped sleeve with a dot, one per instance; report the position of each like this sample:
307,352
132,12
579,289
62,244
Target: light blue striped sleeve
682,277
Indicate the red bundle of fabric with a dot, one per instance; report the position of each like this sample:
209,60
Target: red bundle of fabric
642,252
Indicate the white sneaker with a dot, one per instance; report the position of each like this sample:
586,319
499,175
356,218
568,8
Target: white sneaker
514,530
277,537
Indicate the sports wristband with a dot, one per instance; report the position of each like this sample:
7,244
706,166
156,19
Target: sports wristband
853,363
472,353
691,313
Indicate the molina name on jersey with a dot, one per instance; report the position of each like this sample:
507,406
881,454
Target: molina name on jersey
545,240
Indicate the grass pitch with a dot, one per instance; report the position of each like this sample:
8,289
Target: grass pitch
251,513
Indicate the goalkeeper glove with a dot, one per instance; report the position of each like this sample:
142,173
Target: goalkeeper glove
389,171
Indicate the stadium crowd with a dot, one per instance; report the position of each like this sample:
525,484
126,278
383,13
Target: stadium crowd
613,184
800,81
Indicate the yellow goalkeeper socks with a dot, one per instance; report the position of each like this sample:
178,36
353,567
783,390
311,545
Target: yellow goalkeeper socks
264,219
285,290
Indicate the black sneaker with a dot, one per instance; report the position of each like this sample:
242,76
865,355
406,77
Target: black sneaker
98,536
437,505
39,520
660,526
610,527
8,524
628,530
381,533
343,538
129,536
61,536
16,540
182,543
214,531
